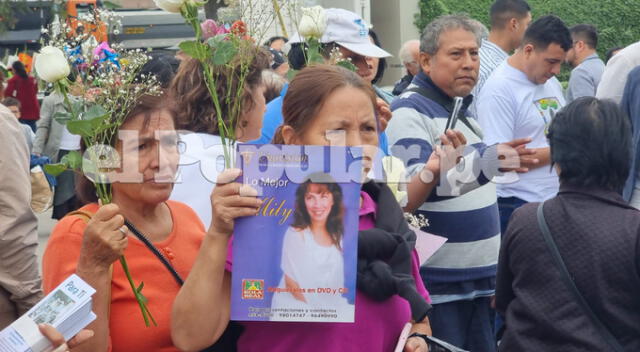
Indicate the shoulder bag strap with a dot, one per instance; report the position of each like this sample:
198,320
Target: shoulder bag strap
557,258
86,216
155,251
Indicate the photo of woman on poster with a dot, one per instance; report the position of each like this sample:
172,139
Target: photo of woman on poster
312,255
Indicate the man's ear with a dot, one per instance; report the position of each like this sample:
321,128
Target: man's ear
425,62
513,24
579,45
528,49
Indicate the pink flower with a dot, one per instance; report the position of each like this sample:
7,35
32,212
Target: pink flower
210,29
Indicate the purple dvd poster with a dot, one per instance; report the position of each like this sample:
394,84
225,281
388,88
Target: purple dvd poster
296,259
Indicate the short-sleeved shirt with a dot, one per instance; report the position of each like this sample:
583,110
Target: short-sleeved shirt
377,324
510,106
127,331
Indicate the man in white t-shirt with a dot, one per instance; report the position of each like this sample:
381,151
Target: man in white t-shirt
519,100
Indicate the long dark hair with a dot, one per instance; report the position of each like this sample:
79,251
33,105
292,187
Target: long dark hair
382,62
301,218
18,69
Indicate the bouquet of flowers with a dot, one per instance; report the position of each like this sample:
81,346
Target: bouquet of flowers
111,87
215,46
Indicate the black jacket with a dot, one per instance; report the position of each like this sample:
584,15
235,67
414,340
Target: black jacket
598,236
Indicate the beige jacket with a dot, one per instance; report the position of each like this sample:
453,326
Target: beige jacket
49,131
20,282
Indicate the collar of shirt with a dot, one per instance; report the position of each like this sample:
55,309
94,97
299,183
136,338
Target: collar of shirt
486,44
601,194
593,56
422,80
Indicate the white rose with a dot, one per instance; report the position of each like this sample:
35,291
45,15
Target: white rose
170,5
313,22
51,64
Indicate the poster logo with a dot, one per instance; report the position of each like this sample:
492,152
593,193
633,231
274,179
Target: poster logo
252,289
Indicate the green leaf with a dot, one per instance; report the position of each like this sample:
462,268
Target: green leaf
77,106
94,112
216,40
62,117
195,49
347,64
142,298
84,128
73,160
313,52
55,169
224,52
139,289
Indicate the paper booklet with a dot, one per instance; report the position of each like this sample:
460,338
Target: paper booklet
296,259
67,308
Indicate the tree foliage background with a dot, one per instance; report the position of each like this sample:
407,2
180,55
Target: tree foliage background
616,20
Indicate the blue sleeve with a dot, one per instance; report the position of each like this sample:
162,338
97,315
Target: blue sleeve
272,120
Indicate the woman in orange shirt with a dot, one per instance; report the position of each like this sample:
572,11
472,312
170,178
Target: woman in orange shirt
140,195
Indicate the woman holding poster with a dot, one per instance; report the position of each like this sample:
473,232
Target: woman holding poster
312,249
389,290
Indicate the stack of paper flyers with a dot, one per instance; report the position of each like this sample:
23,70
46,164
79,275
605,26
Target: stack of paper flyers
67,308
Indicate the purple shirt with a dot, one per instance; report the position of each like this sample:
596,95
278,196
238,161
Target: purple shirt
377,325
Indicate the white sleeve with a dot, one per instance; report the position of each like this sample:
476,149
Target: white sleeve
292,248
614,78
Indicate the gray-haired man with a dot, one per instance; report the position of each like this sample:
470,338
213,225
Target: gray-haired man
461,275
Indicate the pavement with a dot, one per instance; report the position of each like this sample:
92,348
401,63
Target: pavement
45,225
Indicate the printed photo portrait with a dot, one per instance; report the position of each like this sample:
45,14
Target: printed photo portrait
51,308
312,249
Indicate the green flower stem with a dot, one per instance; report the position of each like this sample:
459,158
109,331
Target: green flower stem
146,314
190,14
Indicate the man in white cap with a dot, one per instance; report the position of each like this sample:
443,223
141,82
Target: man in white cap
345,31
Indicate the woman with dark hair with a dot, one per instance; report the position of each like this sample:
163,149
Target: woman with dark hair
24,88
312,246
377,66
592,229
200,159
390,292
89,242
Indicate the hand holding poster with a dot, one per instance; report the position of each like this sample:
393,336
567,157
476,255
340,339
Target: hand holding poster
296,259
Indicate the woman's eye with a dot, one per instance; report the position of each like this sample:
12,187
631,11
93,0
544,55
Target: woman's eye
142,146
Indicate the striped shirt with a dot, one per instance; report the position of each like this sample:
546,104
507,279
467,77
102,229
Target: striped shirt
465,266
491,56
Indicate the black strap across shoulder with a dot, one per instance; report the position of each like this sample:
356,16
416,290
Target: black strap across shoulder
566,278
155,251
228,341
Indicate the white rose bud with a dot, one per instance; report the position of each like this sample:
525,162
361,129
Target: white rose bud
170,5
313,22
51,64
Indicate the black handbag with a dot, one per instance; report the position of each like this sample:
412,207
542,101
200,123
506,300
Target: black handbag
229,339
566,278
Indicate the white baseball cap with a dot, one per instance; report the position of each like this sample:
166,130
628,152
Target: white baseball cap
348,30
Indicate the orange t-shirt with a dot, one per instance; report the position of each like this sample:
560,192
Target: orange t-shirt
126,326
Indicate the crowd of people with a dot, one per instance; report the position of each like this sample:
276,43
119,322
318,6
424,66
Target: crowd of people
534,189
